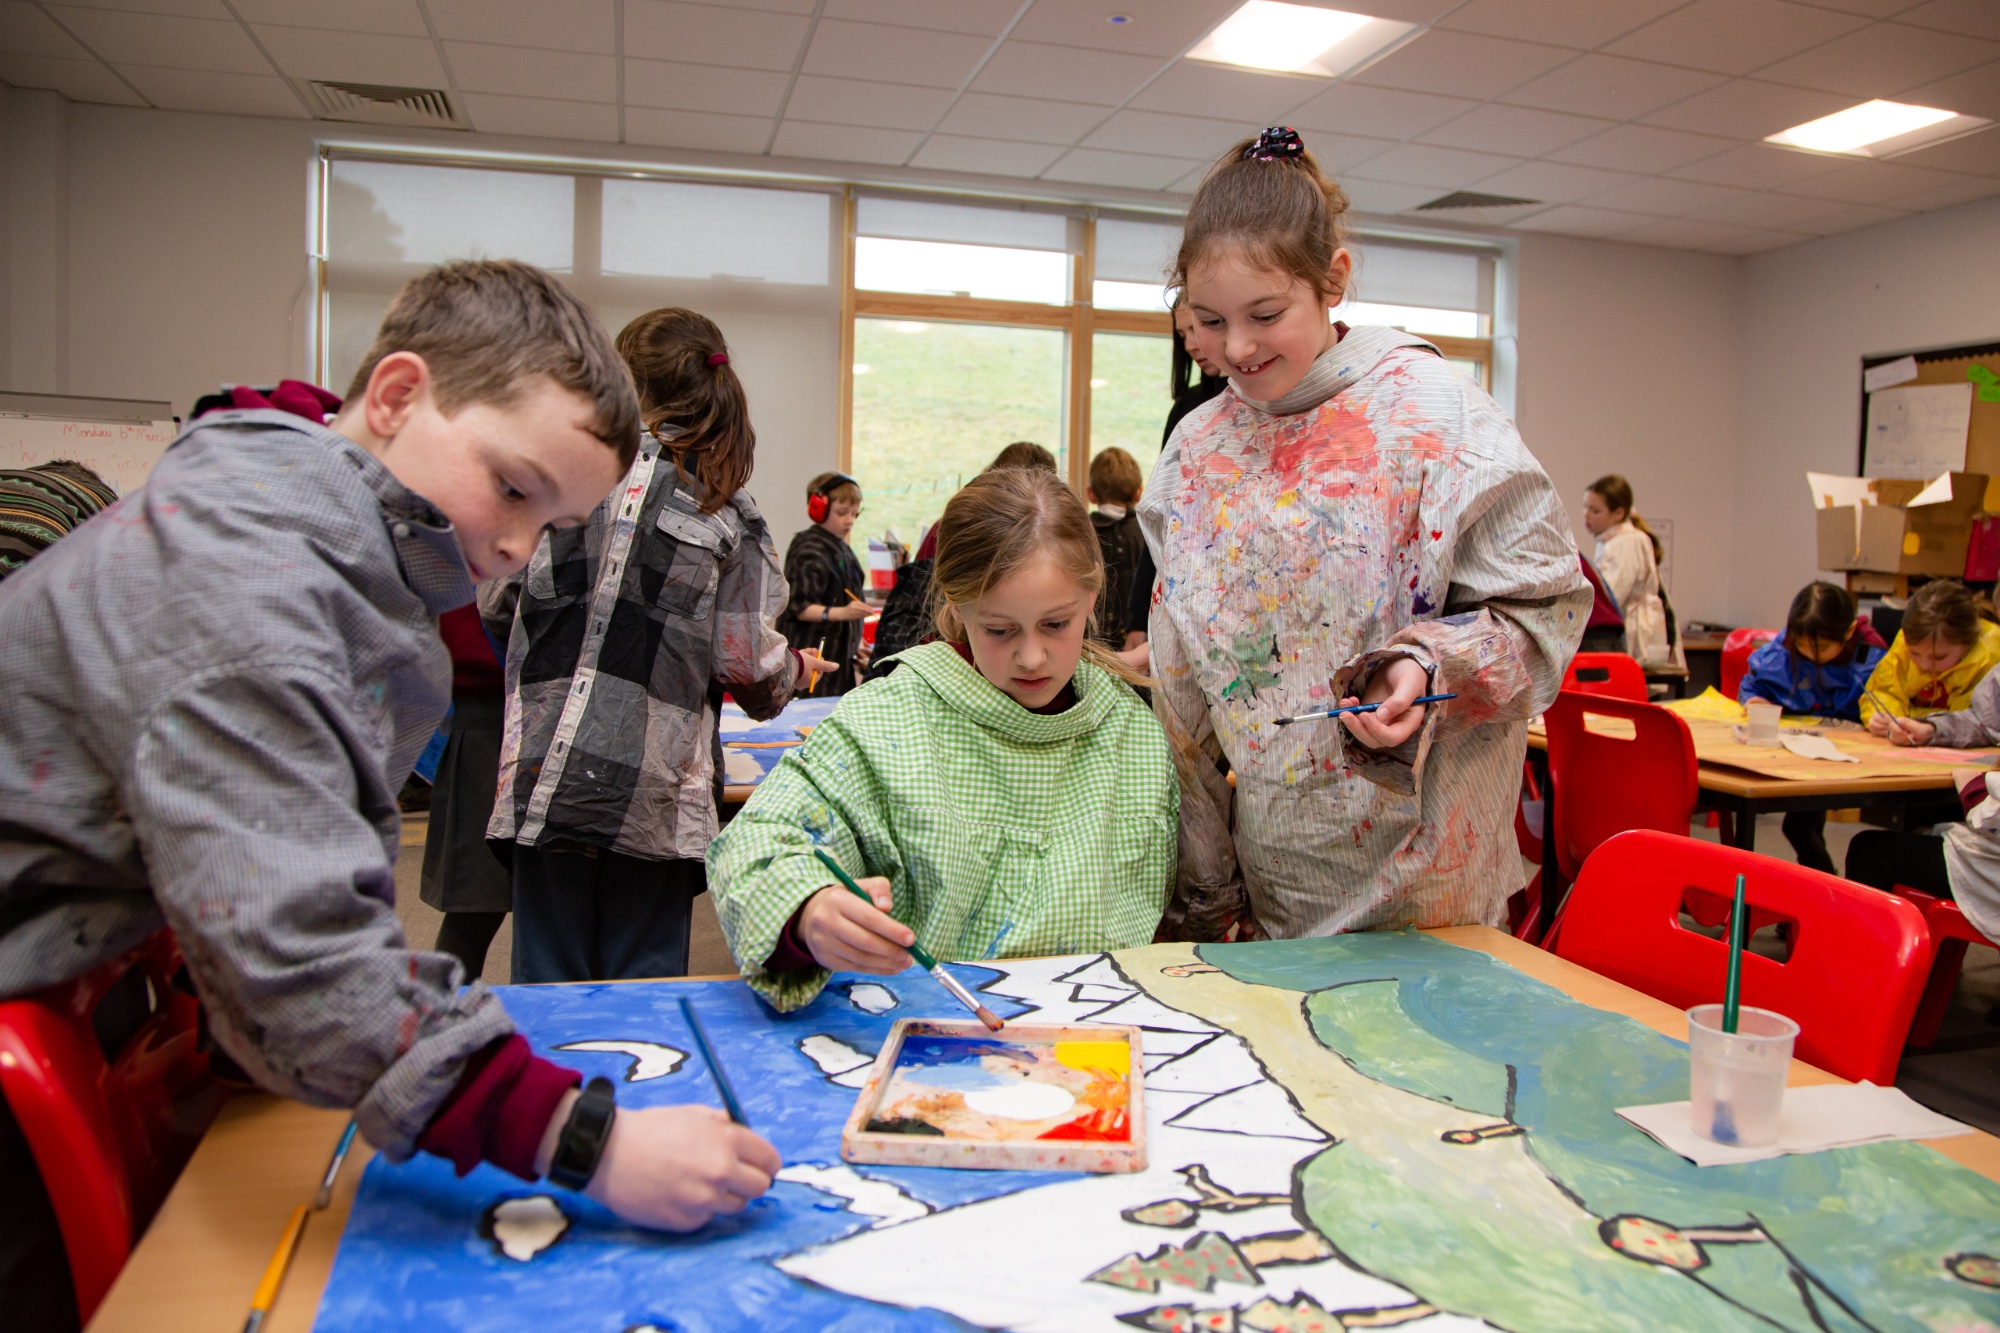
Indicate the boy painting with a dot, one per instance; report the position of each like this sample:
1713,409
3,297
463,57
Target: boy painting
1114,488
826,582
215,692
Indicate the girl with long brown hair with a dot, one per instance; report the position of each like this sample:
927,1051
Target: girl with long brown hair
629,629
1002,794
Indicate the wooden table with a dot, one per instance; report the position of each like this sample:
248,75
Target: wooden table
195,1270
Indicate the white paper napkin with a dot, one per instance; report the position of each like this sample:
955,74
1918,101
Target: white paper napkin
1833,1115
1816,747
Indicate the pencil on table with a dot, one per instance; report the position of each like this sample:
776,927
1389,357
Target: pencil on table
274,1272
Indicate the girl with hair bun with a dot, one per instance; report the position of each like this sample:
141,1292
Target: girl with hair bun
1628,560
1351,520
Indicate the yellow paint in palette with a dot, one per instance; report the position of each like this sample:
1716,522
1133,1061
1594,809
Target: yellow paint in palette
1113,1057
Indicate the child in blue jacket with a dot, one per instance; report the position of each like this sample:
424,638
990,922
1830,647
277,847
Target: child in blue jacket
1819,665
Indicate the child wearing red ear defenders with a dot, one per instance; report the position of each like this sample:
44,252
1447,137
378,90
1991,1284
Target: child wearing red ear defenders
825,612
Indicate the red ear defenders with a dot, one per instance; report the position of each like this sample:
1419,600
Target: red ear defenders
818,506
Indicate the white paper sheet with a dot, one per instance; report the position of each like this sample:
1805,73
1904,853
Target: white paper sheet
1918,430
1936,493
1831,491
1816,747
1889,374
1834,1115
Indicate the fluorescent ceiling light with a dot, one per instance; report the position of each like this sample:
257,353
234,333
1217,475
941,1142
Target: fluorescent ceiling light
1877,129
1298,39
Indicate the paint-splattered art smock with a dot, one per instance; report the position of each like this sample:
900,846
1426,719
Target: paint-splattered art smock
1003,833
1386,506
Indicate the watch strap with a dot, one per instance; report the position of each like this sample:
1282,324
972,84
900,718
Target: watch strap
584,1134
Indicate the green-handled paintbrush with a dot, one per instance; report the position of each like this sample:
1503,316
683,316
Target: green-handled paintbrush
1739,919
918,952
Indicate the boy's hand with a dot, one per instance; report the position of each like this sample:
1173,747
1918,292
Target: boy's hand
1911,731
811,664
844,934
1393,686
675,1167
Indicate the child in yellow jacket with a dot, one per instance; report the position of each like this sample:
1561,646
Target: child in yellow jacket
1944,649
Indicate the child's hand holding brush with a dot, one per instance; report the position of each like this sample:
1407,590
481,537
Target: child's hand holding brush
844,934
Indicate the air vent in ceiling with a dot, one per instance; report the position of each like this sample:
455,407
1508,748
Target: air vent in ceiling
380,104
1472,199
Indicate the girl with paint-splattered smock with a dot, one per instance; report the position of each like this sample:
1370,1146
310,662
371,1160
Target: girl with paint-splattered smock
1002,794
1351,520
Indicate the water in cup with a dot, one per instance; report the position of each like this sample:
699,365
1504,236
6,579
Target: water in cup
1737,1080
1763,715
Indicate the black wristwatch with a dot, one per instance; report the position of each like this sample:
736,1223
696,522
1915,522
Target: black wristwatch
584,1135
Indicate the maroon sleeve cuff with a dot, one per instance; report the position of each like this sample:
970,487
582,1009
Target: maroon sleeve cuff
500,1109
791,953
1970,795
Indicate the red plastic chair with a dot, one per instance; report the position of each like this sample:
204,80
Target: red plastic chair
1736,650
1858,957
1950,933
110,1135
1614,675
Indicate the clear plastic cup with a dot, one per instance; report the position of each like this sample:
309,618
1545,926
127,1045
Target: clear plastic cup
1737,1079
1763,716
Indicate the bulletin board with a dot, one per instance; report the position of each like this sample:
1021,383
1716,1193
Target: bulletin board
1953,365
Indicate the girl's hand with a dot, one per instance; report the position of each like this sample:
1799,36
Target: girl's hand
1139,656
1911,731
1878,723
844,934
675,1167
812,664
1393,686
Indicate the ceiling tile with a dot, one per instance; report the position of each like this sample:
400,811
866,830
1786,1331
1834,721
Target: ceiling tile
1976,92
1095,166
673,86
163,40
1385,113
306,53
543,117
1600,85
984,18
194,9
1883,61
1872,183
78,80
520,71
1159,28
27,31
1756,242
1197,85
1167,136
393,16
1668,198
696,129
1373,196
989,157
1513,129
1463,64
574,25
1965,191
1642,148
1968,18
1550,182
1342,153
844,143
1734,36
1580,220
1684,233
1849,217
1977,153
1401,11
1442,168
889,106
1188,183
1758,166
713,35
216,92
894,55
1746,109
1763,209
1874,9
1034,69
1024,119
1583,24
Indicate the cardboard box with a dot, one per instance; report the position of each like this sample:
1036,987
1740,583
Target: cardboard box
1892,526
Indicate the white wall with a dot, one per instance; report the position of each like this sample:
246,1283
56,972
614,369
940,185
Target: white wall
1811,313
1628,362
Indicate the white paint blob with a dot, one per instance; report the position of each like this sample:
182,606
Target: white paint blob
1021,1101
871,998
650,1059
523,1228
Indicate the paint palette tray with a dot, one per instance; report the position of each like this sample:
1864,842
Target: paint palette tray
1031,1097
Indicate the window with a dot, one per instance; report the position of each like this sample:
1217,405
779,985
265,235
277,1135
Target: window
1441,293
1129,375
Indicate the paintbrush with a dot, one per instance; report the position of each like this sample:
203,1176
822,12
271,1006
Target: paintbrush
325,1195
274,1272
1358,708
918,952
729,1102
1883,709
1738,918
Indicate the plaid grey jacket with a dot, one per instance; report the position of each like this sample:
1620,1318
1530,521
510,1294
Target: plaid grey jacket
209,696
627,631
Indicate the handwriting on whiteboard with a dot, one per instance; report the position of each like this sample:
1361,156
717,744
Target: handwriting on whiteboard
121,452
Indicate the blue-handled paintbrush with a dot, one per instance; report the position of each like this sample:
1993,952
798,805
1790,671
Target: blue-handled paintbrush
918,952
728,1093
1358,708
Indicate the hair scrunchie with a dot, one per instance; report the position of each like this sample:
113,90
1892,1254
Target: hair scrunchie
1276,144
718,358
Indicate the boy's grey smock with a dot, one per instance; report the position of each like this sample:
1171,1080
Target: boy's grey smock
213,692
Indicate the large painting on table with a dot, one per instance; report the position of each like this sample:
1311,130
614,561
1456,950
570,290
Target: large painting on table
1374,1131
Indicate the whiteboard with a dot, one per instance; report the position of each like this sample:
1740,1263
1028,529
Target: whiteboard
121,452
1918,431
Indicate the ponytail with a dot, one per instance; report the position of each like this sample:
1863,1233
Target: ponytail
689,393
1616,492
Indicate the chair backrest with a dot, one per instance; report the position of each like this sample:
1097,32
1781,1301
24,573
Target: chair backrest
105,1077
1630,766
1858,959
1614,675
1736,650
